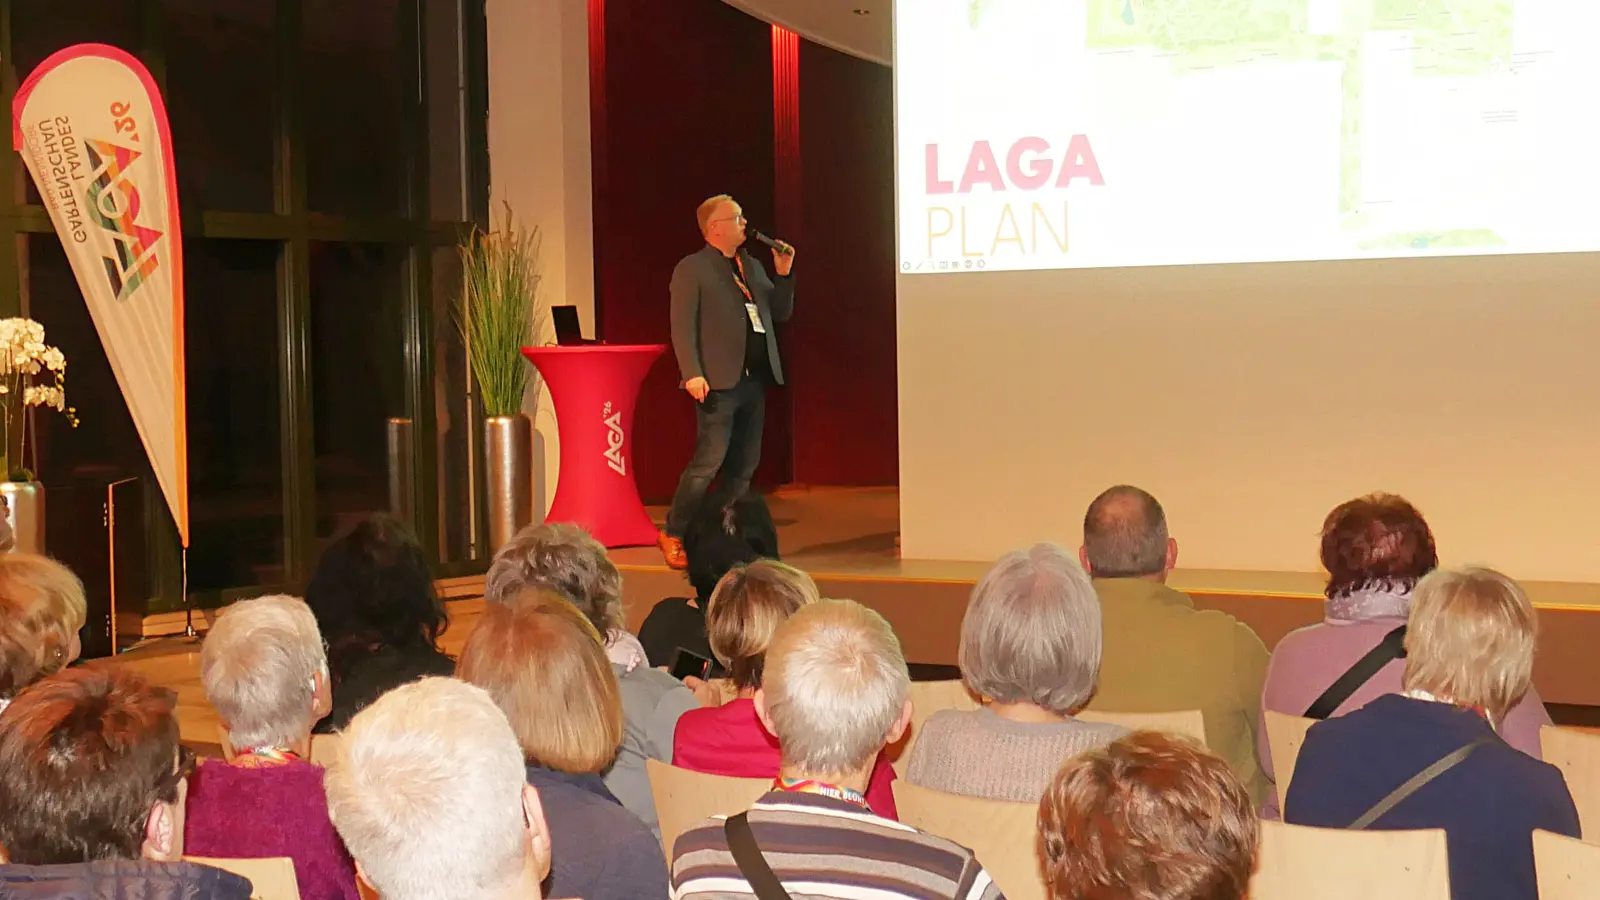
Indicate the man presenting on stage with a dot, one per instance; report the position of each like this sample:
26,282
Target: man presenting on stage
723,310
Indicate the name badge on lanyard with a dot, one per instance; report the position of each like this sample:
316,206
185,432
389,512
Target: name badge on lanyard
750,308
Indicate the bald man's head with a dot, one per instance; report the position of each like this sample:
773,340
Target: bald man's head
1125,535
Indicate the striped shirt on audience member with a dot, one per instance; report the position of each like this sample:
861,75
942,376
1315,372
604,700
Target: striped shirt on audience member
823,848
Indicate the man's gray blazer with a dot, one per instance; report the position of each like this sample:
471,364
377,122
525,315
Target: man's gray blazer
708,317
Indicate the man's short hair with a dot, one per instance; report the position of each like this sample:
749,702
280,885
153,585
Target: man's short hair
257,664
746,608
1471,639
546,668
836,682
708,208
563,558
1125,534
1031,633
46,599
1151,816
84,755
427,793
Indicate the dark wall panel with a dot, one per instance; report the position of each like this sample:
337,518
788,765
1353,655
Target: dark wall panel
842,348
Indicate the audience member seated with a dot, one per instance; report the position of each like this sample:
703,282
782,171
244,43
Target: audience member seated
1148,816
1030,647
545,666
1161,654
92,793
715,541
376,607
45,600
746,609
835,692
1469,658
1375,549
266,674
566,560
428,792
19,663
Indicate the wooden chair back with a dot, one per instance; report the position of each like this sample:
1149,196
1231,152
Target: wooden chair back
1003,834
271,878
1285,735
1295,862
1568,869
1577,754
1190,723
684,798
927,698
325,748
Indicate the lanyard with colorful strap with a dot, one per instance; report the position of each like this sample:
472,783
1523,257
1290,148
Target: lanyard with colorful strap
808,786
262,757
739,279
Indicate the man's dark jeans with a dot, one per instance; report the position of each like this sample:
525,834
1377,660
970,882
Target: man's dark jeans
727,449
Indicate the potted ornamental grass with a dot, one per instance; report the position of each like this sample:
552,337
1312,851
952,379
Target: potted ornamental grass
501,310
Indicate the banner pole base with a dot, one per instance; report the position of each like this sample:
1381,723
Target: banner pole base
188,603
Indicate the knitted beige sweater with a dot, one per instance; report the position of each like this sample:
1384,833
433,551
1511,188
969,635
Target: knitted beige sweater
979,754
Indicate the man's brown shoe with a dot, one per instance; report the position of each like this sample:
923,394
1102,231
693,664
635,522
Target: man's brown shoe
672,551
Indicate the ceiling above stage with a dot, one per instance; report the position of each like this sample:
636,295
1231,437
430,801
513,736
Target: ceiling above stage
833,23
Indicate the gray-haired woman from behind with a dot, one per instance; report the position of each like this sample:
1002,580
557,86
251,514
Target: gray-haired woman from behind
1030,648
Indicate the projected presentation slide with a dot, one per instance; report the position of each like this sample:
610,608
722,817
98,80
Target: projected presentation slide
1049,134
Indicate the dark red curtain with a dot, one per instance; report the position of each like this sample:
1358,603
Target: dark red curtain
842,345
693,98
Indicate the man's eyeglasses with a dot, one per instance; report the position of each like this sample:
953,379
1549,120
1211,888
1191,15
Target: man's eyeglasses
739,219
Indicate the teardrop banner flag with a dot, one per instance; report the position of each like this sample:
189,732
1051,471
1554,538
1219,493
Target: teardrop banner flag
92,128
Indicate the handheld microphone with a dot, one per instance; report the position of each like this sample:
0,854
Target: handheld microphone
774,243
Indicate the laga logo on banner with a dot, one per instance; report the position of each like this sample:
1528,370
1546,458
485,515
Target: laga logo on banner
114,205
614,441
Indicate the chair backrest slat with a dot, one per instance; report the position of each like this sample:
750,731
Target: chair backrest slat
271,878
1003,834
1299,863
1577,754
684,798
1285,735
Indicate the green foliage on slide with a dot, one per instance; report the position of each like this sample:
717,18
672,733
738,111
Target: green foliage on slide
1450,37
1422,240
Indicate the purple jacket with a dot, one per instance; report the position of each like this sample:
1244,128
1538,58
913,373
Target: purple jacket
282,810
1308,660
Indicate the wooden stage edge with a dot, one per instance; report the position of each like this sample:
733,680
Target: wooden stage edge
926,611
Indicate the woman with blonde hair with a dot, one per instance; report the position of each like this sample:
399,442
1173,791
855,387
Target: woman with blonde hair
1430,757
45,602
545,665
745,610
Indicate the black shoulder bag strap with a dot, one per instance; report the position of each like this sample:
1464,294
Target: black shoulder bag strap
1415,782
1392,647
752,865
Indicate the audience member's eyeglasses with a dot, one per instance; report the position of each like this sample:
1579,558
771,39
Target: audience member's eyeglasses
185,768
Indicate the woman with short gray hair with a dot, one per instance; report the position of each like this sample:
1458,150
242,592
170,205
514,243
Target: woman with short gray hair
1030,649
265,672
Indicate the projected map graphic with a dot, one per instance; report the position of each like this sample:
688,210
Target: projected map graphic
1079,133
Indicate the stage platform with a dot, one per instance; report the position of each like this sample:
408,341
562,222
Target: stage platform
846,539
